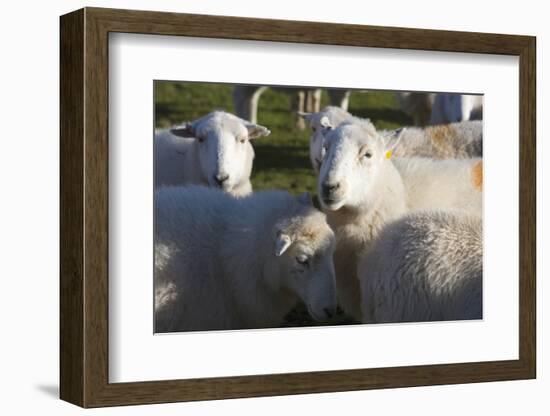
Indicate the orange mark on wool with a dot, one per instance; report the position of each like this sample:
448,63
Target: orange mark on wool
309,234
441,133
477,175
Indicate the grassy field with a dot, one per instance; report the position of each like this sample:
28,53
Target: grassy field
282,158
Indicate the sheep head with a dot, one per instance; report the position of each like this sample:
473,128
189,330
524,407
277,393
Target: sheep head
325,119
223,145
303,252
356,155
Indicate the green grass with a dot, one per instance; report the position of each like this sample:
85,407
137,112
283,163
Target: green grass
282,158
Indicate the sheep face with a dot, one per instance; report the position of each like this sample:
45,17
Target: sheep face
304,248
319,122
223,148
356,155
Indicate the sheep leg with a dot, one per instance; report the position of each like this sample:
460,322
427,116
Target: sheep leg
313,101
339,98
245,100
298,105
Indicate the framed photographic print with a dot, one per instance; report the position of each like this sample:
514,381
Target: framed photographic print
254,207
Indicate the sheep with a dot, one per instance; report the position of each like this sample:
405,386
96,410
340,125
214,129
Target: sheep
246,98
361,190
445,184
326,118
426,266
235,263
451,141
451,108
417,105
448,141
214,150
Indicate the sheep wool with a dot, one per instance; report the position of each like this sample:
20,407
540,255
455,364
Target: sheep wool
214,150
426,266
234,263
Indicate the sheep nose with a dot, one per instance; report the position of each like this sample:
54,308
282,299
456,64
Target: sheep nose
221,178
329,312
329,187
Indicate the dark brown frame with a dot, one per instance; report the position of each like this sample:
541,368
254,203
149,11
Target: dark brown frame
84,209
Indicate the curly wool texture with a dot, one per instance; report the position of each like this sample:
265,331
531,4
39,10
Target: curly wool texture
216,261
382,192
427,266
447,141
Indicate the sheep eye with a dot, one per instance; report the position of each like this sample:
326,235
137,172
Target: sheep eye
313,129
242,140
200,139
303,260
368,155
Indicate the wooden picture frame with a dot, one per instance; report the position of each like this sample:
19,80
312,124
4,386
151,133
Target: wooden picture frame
84,207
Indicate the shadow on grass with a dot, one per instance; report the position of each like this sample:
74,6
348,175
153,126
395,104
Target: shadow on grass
287,157
383,114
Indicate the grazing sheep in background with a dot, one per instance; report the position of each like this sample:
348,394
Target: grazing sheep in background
246,98
214,150
451,141
305,100
417,105
330,116
452,108
232,263
339,98
426,266
361,190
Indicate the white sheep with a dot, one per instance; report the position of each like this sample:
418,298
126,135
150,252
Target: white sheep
450,141
426,266
447,141
214,150
246,98
361,190
233,263
445,184
417,105
328,117
451,108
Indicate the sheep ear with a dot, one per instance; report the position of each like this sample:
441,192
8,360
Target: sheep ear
305,199
282,243
255,131
306,116
185,130
392,139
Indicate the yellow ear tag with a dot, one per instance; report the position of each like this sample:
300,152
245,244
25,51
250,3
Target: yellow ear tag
388,154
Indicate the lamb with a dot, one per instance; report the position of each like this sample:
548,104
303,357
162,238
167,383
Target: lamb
361,190
235,263
214,150
451,108
426,266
